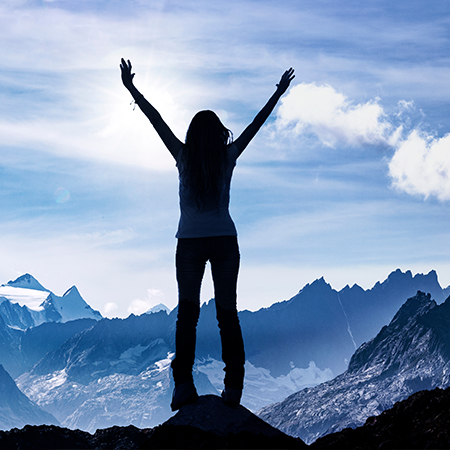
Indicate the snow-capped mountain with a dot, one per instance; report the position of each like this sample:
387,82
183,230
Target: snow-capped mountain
27,282
118,370
16,410
25,303
411,354
157,308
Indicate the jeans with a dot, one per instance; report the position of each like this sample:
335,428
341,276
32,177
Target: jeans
191,257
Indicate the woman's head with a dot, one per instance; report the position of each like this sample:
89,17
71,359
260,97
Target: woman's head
205,156
206,129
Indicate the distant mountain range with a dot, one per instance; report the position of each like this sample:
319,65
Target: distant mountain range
94,373
411,354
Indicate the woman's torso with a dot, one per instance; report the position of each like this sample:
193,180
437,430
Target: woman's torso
211,219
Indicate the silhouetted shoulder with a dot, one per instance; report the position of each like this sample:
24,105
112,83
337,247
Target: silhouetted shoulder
233,151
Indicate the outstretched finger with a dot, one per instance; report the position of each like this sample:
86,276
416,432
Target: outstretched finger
289,75
289,72
125,65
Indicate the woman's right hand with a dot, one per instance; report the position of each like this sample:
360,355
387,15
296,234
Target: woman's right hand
127,76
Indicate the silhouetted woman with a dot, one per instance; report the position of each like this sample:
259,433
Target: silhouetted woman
206,232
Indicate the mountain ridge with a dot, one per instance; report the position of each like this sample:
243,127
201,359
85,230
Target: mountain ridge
26,281
117,371
412,353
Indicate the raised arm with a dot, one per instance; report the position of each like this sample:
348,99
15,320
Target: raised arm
249,133
172,143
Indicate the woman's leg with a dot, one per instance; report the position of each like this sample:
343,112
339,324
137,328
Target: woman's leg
225,269
190,267
185,338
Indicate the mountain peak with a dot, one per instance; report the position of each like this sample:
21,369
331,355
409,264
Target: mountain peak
398,275
431,275
157,308
319,284
27,281
71,290
404,328
414,306
72,306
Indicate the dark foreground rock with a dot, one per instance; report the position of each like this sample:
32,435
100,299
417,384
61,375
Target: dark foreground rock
420,422
208,423
51,437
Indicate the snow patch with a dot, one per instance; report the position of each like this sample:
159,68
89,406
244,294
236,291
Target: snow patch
30,298
260,387
133,352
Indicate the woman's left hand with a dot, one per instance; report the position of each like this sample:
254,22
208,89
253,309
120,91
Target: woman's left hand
127,76
285,81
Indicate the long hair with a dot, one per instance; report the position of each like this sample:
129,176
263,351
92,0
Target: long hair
204,157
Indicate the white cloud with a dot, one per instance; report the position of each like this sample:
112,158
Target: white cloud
140,306
421,166
330,115
110,308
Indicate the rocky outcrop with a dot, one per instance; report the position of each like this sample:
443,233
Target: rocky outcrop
208,423
420,422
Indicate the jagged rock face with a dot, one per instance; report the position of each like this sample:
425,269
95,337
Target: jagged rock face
411,354
10,352
15,315
109,347
418,334
21,350
368,311
421,421
16,410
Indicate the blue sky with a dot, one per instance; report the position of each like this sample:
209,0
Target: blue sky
349,179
